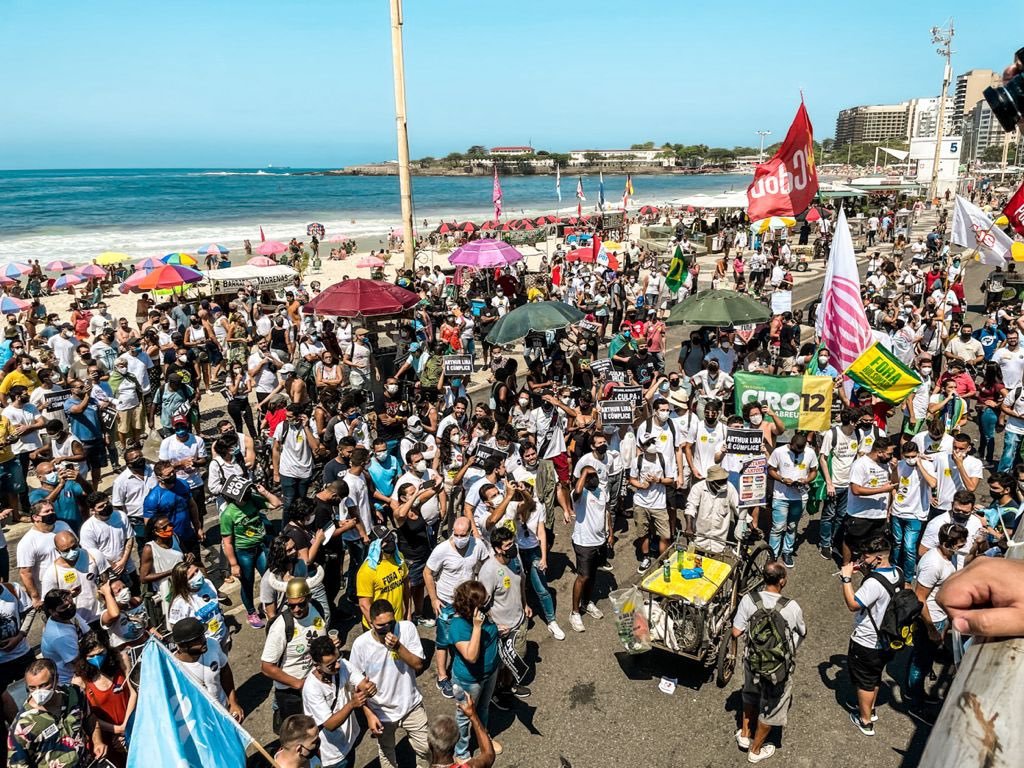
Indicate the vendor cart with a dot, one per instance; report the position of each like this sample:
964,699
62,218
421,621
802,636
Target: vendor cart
691,614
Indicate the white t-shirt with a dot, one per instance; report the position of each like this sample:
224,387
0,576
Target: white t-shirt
430,511
83,578
601,467
60,645
868,474
22,417
322,700
206,670
36,550
1015,401
872,598
194,447
356,503
293,657
667,437
64,350
548,427
929,446
13,607
130,491
930,537
108,537
526,533
932,570
450,568
397,693
296,453
793,468
706,443
266,376
591,529
912,498
204,606
653,497
948,477
1011,363
841,451
791,612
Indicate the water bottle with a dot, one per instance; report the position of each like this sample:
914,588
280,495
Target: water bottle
459,692
666,570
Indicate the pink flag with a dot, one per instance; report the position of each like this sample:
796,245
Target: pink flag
496,196
263,237
841,324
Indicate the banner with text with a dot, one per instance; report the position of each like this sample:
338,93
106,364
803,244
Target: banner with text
882,374
801,402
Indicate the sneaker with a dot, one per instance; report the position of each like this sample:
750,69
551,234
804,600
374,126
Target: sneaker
874,715
743,742
555,630
787,560
502,700
767,750
867,729
606,567
825,552
594,611
255,621
521,691
423,621
445,687
576,622
643,565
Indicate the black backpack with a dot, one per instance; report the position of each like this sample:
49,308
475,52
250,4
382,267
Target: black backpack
770,653
897,628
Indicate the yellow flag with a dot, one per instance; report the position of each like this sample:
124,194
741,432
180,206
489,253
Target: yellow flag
881,373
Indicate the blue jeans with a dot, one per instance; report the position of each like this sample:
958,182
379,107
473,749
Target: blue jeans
531,563
481,693
250,560
1011,443
785,516
292,488
906,534
833,513
987,427
922,657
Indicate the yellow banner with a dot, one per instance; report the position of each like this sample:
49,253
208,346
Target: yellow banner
882,374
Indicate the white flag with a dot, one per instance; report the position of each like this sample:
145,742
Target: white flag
973,228
558,182
841,322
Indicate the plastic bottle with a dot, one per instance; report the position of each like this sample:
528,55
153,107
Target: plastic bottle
459,692
666,570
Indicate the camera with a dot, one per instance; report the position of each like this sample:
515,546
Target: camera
1007,101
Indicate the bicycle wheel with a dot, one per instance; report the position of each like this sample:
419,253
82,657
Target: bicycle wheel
758,556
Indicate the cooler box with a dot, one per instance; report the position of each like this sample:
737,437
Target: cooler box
693,590
476,305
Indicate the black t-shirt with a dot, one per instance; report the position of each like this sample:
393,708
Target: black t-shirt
788,340
324,512
333,470
392,406
642,368
413,541
488,316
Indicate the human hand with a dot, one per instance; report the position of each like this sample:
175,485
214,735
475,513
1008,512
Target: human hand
236,712
847,570
374,725
201,535
565,518
277,477
359,698
467,707
391,642
528,611
478,618
986,598
368,687
236,570
542,564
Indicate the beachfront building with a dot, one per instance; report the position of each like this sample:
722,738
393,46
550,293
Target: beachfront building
970,87
616,157
981,131
911,119
510,151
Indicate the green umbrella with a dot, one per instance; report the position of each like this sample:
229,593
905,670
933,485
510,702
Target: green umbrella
719,308
535,316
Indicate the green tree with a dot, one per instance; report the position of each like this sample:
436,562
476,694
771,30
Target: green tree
994,153
476,151
454,159
561,158
591,157
427,161
645,145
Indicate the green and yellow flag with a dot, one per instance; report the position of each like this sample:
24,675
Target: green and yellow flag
881,373
676,270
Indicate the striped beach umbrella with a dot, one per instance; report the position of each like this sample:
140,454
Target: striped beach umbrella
168,276
67,280
16,270
147,264
182,259
91,270
12,306
213,248
59,266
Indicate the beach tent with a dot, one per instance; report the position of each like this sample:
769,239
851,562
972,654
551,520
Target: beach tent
233,278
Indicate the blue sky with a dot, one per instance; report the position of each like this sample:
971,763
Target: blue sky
226,83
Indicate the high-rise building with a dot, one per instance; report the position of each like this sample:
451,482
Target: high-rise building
981,131
969,91
923,116
872,123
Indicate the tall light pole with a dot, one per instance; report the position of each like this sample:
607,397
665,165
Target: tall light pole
760,154
404,177
944,39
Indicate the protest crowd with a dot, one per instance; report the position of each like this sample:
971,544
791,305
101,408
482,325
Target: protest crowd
392,507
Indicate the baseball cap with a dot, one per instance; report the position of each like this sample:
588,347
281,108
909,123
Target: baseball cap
179,420
287,368
188,629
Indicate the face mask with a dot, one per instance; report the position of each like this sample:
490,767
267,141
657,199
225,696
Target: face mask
965,336
726,345
50,478
822,360
182,358
756,419
97,660
461,542
926,371
959,519
392,389
380,455
66,612
601,450
911,461
196,582
122,369
165,534
512,552
124,596
72,554
181,432
137,465
663,416
673,383
717,486
42,695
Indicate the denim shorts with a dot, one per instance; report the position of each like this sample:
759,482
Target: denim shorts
12,481
442,628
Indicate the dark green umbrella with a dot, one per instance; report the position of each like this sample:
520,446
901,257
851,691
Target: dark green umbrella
535,316
719,308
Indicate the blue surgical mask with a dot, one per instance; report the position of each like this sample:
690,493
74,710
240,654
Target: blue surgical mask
97,660
50,478
181,432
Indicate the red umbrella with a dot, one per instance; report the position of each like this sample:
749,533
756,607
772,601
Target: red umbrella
813,214
586,255
689,209
523,224
445,228
570,220
508,226
467,226
489,225
359,297
647,210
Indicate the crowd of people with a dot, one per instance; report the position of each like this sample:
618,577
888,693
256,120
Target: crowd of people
402,503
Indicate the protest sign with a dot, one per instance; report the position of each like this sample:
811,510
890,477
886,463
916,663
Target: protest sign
616,411
588,327
619,376
801,402
882,374
601,367
744,441
634,395
53,402
484,452
753,482
458,366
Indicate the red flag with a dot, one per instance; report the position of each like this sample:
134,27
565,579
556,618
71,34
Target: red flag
786,184
496,196
1014,210
263,237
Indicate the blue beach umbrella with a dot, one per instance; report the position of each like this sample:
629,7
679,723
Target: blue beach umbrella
213,248
12,306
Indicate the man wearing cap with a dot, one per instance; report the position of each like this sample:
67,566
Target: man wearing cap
382,575
295,442
206,664
711,509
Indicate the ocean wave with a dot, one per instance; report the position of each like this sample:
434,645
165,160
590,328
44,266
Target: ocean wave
238,173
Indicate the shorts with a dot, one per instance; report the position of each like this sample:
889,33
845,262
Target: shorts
415,577
130,420
645,518
442,627
859,531
95,454
561,464
865,665
587,560
772,700
12,479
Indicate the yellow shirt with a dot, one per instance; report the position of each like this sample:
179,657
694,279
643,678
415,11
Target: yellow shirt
7,436
387,582
17,377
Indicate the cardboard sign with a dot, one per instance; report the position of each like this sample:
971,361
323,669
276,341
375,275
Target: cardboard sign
458,366
54,401
601,367
753,482
484,452
615,411
744,441
619,376
588,327
633,395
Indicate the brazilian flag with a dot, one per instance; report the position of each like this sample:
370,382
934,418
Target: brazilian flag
676,270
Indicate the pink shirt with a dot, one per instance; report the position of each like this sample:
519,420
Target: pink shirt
656,337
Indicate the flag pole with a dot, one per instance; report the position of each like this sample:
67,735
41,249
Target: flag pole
262,751
404,175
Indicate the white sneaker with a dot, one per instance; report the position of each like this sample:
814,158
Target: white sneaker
767,750
556,631
594,611
576,622
743,742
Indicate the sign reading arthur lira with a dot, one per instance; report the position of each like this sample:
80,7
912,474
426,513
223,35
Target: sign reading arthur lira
458,365
616,411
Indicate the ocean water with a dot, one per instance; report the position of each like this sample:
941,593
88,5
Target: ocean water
76,214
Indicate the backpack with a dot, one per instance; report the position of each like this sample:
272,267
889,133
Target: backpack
289,622
649,425
769,642
897,628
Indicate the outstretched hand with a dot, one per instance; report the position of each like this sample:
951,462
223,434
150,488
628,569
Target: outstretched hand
986,598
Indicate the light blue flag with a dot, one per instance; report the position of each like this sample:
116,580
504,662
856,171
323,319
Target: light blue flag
177,724
600,192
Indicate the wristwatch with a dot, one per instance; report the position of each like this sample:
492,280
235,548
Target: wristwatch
847,579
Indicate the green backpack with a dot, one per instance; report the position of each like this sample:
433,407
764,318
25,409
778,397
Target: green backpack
769,644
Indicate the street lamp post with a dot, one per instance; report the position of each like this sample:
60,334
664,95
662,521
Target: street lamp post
760,153
944,39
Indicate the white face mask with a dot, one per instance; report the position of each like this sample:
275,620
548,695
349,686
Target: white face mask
460,541
124,596
42,695
911,461
822,360
756,419
420,466
381,455
523,402
392,389
663,416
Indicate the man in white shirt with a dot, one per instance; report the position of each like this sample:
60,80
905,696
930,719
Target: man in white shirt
27,422
547,429
295,442
63,346
871,483
650,479
961,512
77,570
187,453
263,365
109,533
61,633
1010,359
36,551
592,531
955,471
712,508
839,447
704,441
793,467
130,489
915,479
206,664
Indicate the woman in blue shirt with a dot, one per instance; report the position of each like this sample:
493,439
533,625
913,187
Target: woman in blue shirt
475,664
